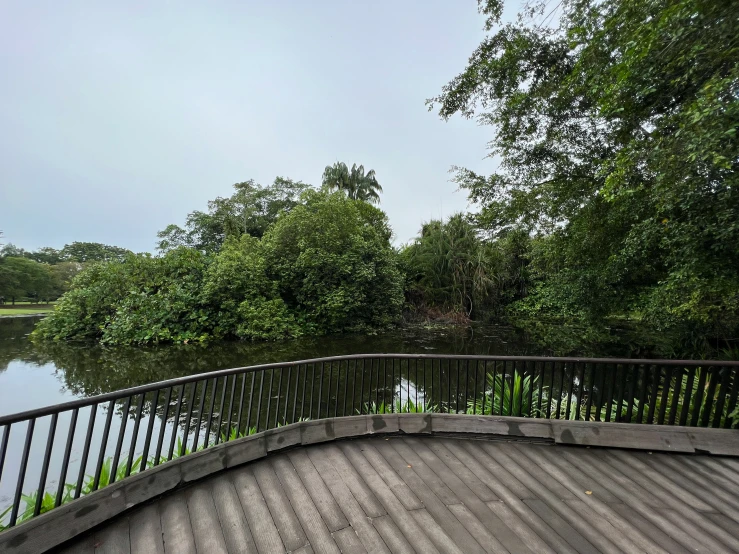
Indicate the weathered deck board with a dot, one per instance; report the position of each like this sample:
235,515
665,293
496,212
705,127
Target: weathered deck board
427,494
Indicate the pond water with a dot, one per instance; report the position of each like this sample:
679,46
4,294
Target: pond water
36,375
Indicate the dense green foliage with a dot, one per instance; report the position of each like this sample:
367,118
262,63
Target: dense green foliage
250,210
354,182
324,266
46,273
452,269
616,131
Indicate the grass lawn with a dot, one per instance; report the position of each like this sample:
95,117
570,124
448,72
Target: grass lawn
25,310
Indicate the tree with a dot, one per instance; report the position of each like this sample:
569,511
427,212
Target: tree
45,255
92,252
62,275
12,251
452,269
250,210
357,184
24,278
326,266
617,133
334,266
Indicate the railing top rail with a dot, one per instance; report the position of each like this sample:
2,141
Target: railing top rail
142,389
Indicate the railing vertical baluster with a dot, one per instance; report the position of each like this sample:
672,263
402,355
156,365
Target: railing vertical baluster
346,385
163,426
503,382
721,400
532,382
493,394
520,390
320,391
687,395
448,385
392,381
103,445
591,392
85,450
602,392
484,383
667,385
621,391
328,391
134,435
697,405
611,377
176,422
732,399
287,391
635,368
269,398
540,381
415,379
474,394
240,410
295,395
551,389
338,381
201,407
425,392
149,430
361,386
305,380
354,383
45,464
562,370
247,431
211,407
642,382
22,472
188,419
65,460
580,388
312,387
675,395
656,375
384,385
456,388
119,442
259,400
598,388
377,385
713,377
279,396
220,409
4,447
231,405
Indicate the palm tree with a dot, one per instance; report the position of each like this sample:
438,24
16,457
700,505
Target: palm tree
357,184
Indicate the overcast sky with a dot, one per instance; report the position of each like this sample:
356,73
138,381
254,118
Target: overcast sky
118,118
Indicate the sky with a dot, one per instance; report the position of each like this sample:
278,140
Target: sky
119,118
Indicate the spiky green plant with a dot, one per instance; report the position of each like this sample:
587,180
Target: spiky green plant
48,499
399,407
507,396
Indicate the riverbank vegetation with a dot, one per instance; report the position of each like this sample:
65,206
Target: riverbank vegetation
614,204
323,266
45,274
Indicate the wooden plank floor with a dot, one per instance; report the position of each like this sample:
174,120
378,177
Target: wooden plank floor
434,494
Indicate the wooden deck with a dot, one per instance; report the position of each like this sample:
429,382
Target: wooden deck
430,494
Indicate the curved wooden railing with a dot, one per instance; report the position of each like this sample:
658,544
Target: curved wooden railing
145,426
